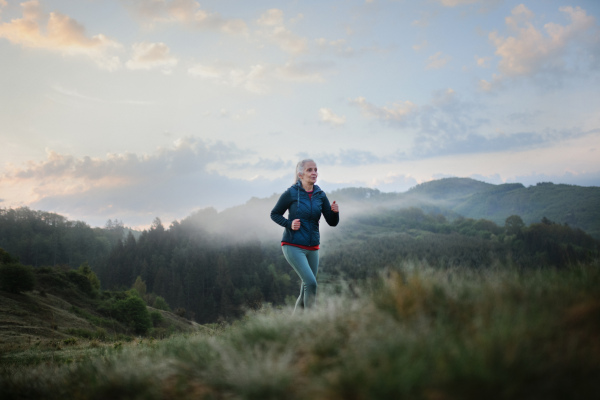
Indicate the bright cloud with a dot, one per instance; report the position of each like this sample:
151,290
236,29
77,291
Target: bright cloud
187,12
532,50
397,112
254,79
60,33
274,30
303,71
151,56
263,75
168,180
328,116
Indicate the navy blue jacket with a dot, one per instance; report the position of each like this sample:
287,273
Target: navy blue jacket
295,200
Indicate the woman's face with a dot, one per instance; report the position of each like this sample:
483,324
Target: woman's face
310,173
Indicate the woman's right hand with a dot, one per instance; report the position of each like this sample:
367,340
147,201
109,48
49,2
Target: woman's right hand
295,224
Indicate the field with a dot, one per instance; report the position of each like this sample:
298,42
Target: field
413,332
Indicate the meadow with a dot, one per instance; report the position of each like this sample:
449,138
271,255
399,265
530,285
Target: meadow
412,332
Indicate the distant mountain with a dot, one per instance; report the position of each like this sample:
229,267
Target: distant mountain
576,206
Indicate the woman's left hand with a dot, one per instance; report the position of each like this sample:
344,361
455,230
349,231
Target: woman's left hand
334,207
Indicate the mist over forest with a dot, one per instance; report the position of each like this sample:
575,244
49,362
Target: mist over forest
442,288
215,265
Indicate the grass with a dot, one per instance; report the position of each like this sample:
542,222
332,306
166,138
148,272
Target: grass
415,333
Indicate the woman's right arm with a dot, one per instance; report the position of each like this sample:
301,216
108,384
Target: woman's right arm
283,204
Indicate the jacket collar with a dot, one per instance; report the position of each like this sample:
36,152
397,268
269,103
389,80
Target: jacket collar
298,186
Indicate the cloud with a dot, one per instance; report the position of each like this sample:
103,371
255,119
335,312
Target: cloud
327,116
583,178
254,79
77,96
483,62
345,157
485,4
339,46
59,33
150,56
259,78
394,182
186,12
274,30
438,60
455,3
531,51
303,71
448,125
396,112
135,188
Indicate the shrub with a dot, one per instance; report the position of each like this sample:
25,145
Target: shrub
156,318
6,258
133,311
161,304
81,281
16,278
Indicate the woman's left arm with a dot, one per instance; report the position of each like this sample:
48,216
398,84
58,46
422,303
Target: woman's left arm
331,212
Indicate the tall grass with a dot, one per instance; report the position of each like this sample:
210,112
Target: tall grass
415,333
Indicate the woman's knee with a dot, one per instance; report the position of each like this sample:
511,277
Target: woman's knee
310,285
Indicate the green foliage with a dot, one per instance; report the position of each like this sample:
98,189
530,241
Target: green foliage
16,278
80,281
156,318
140,286
161,304
514,225
133,312
418,333
6,258
86,270
42,238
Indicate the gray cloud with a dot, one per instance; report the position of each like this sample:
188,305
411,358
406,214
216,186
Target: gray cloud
346,157
452,144
168,183
584,179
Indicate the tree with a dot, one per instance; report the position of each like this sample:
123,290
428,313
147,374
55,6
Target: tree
16,278
133,310
161,304
86,270
513,225
140,286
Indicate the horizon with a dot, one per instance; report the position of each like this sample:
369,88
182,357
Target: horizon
131,110
166,224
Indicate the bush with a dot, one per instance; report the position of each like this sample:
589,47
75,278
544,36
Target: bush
133,311
161,304
81,281
156,318
16,278
6,258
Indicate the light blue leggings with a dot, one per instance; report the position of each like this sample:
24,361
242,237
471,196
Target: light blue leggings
306,265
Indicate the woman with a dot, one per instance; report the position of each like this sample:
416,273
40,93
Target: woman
305,202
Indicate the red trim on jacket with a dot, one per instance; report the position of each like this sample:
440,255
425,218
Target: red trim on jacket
299,245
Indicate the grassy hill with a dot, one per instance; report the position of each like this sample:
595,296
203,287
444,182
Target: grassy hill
58,313
574,205
416,333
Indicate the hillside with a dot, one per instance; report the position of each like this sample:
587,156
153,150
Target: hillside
576,206
57,312
416,333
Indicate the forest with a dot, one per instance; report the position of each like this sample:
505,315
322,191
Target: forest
415,301
210,274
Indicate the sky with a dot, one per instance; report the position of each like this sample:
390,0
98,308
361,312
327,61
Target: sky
136,109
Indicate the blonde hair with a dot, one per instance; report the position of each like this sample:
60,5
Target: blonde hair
300,167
